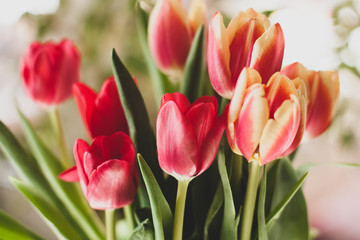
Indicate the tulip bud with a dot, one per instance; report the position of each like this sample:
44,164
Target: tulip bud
323,94
248,41
170,34
266,121
49,70
106,170
188,135
102,113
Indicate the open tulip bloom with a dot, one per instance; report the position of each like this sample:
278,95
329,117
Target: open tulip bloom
235,145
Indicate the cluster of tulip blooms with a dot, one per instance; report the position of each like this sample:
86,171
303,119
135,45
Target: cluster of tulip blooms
264,109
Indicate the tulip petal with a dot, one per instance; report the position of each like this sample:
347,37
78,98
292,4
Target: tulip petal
70,175
85,99
169,36
179,98
108,115
91,162
112,185
79,150
279,133
268,52
218,57
197,14
252,119
176,142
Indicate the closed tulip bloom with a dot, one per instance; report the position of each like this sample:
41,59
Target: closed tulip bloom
266,121
323,94
188,135
106,170
170,33
248,41
102,113
49,70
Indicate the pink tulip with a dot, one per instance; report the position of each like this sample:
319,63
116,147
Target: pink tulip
266,121
248,41
106,170
101,113
323,94
49,70
170,33
188,135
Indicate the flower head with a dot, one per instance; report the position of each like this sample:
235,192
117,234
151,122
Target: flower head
106,170
188,135
49,70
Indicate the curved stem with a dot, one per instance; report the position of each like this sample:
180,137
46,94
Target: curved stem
179,209
110,224
250,199
59,132
129,217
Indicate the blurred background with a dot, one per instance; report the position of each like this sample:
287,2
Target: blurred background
321,34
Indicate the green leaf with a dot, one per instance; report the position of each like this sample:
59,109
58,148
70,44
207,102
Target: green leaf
160,82
161,213
144,231
287,216
230,223
68,193
194,67
261,208
213,219
47,209
302,169
10,229
139,124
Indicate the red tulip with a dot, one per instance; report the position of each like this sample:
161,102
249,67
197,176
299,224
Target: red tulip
106,170
101,113
171,31
49,70
323,94
248,41
266,121
188,135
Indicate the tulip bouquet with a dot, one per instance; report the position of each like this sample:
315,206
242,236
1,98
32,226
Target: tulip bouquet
218,164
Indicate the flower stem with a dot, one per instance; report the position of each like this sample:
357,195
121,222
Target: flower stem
250,199
179,209
129,217
110,224
59,132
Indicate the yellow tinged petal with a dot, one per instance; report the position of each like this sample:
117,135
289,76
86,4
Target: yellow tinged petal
197,14
221,37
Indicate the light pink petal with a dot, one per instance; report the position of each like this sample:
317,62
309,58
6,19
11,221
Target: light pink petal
179,98
279,133
252,119
268,52
176,142
70,175
112,185
218,57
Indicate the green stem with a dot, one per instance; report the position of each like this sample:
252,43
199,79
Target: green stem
250,199
129,217
110,224
180,209
59,132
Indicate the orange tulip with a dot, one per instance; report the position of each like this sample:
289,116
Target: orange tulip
266,121
323,94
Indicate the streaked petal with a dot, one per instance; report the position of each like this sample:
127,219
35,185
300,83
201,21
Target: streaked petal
176,142
268,52
112,185
218,57
252,119
179,98
70,175
280,132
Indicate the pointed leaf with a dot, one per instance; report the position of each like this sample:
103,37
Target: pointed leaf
47,209
213,219
11,229
286,200
160,210
160,83
261,208
144,231
194,67
137,117
68,193
229,224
